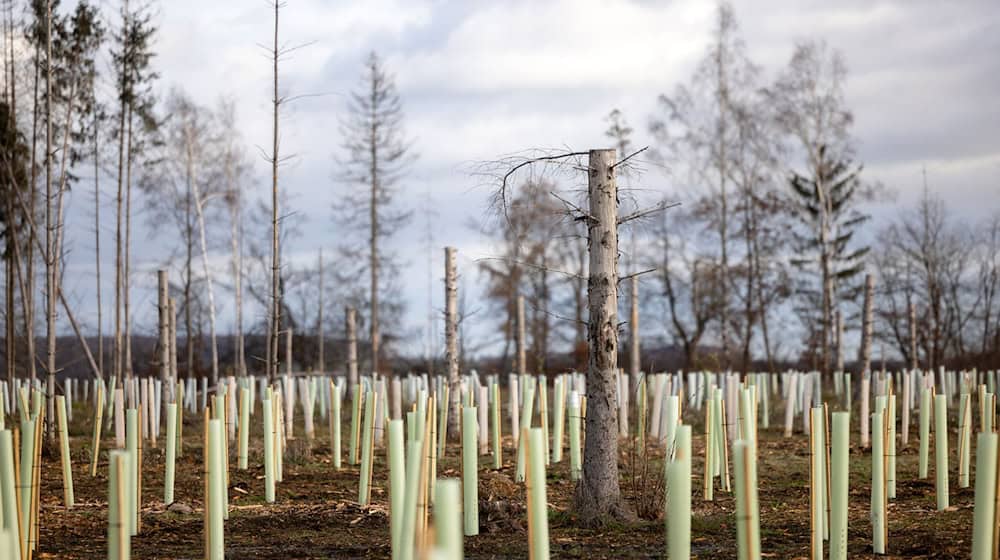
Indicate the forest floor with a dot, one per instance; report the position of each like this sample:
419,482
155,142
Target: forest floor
316,514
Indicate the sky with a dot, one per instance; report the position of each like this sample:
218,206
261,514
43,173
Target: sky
481,79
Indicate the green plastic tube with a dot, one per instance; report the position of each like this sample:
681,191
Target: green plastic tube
710,460
543,415
678,497
987,416
397,480
817,479
132,447
407,531
267,411
470,476
67,468
575,454
986,492
746,413
925,433
670,422
640,427
495,419
964,439
8,495
171,452
839,482
366,450
335,424
747,513
558,419
848,396
244,433
447,518
891,448
878,490
27,467
352,445
538,515
941,451
526,413
119,536
765,419
216,488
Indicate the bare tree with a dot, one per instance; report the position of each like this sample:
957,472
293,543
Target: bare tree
236,168
451,341
809,108
598,495
193,174
376,155
699,131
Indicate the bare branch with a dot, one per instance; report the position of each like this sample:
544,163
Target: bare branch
643,213
634,274
556,315
628,157
531,265
584,215
526,162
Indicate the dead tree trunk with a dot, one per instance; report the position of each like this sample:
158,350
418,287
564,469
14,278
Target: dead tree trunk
320,362
598,496
914,363
50,236
451,341
839,340
163,307
633,360
275,311
522,362
97,245
236,233
352,349
866,325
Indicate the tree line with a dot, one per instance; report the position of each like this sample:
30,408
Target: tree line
84,113
775,236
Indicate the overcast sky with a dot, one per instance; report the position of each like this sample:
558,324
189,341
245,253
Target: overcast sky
482,79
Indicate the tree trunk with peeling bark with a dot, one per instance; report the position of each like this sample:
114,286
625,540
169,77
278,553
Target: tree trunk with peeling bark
598,495
451,342
163,309
352,349
522,362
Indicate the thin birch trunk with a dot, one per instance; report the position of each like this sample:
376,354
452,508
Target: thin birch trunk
127,266
50,236
236,235
451,341
275,315
199,209
352,349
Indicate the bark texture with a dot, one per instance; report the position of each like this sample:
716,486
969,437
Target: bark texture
598,496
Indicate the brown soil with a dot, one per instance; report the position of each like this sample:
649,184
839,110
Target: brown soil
316,514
